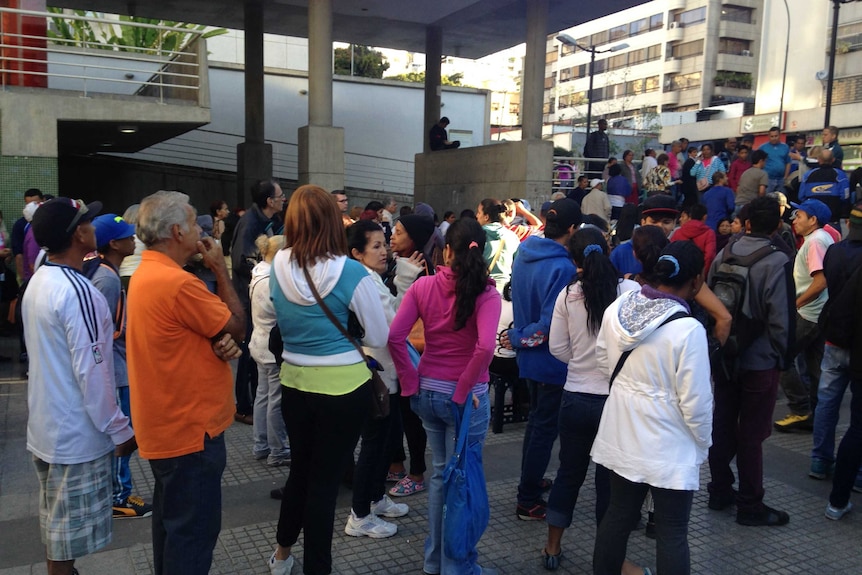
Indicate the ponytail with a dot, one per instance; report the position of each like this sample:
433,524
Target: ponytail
466,239
599,278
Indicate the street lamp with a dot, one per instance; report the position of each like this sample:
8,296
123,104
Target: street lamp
569,41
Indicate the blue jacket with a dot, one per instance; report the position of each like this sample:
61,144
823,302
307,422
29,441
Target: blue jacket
542,268
623,258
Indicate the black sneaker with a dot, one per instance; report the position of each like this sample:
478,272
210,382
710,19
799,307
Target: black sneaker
277,493
721,500
134,506
767,517
532,512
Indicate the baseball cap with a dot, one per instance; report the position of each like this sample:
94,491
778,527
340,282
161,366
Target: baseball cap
781,198
111,227
658,205
855,232
55,221
596,182
811,207
545,207
565,212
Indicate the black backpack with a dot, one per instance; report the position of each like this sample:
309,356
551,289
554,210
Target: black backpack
730,285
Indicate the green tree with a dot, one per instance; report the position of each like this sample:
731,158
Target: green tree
419,78
367,63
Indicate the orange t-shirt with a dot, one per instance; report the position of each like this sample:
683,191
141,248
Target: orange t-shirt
179,389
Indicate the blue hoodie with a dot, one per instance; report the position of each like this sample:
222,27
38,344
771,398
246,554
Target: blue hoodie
542,268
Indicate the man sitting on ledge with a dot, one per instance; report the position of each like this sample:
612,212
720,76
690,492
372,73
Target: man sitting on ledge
438,138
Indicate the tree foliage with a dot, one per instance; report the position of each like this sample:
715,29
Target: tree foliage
367,63
123,37
419,78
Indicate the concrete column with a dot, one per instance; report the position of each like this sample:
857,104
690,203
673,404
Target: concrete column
533,90
254,157
321,146
433,54
320,63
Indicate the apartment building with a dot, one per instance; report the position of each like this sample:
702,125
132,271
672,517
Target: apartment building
661,56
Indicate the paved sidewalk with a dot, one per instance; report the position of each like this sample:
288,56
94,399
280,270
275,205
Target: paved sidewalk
809,544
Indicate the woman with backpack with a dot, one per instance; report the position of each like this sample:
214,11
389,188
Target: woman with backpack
460,309
572,338
656,427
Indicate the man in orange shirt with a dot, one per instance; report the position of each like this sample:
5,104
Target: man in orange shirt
180,338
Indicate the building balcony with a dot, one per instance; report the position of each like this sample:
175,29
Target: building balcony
675,32
670,98
675,4
673,66
733,94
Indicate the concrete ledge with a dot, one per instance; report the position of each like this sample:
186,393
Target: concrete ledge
458,179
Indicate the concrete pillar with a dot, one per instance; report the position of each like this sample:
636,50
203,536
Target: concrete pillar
533,90
433,55
321,146
253,156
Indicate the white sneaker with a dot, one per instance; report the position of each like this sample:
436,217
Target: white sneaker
369,526
280,567
388,508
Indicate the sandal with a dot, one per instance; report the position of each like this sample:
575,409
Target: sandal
551,562
395,476
406,487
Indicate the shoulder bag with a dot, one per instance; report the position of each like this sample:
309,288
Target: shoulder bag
379,391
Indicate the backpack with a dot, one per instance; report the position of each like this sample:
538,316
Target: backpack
730,285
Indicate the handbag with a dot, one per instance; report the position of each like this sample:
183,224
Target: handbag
379,391
702,184
465,504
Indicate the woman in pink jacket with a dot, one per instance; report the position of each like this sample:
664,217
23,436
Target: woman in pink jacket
460,309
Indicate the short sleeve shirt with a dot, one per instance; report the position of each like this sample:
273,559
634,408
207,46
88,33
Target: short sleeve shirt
809,260
180,390
749,184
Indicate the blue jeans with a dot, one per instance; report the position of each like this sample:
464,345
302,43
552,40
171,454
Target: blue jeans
580,414
775,185
849,452
435,410
834,378
672,510
187,509
120,471
539,437
270,433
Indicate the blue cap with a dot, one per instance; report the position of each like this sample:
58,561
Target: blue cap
111,227
815,208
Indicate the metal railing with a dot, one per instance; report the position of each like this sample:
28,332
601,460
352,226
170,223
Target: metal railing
28,57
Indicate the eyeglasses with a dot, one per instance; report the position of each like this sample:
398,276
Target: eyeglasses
82,209
281,197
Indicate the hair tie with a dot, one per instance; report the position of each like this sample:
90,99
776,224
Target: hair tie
674,261
593,249
472,245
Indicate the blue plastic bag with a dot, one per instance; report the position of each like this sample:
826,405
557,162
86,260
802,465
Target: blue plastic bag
465,506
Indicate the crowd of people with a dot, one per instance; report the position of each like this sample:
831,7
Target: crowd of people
608,305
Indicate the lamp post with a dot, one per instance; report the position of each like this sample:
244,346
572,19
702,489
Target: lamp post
569,41
836,7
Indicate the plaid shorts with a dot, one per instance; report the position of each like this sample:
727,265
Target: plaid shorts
74,507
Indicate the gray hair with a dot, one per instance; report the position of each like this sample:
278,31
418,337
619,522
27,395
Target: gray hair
159,213
131,214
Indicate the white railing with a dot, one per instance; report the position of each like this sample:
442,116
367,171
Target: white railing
29,57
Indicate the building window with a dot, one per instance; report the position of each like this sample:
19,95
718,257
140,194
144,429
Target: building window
849,38
617,62
687,49
691,17
599,38
600,66
638,27
734,46
729,79
619,32
737,14
551,57
682,82
656,22
569,100
551,81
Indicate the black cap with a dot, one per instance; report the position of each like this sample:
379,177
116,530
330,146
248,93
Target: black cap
565,212
660,204
56,220
419,228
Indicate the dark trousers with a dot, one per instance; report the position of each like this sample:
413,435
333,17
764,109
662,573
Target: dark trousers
580,414
375,454
245,387
187,509
411,426
323,431
741,423
539,437
800,386
849,451
672,510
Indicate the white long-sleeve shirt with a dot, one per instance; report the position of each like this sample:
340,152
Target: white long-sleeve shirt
74,416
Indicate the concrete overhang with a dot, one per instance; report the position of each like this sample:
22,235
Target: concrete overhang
471,28
81,137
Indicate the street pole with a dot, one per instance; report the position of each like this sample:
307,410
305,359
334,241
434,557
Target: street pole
784,74
836,7
592,51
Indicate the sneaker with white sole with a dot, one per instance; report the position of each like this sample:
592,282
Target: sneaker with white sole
836,513
369,526
279,566
388,508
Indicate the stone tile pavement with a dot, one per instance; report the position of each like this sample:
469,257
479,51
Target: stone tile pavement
809,544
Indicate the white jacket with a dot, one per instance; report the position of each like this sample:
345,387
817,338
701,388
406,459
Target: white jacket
656,427
262,314
381,354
